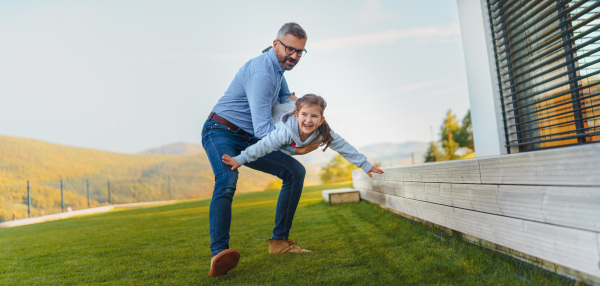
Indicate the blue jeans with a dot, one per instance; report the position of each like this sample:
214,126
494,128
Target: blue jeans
218,140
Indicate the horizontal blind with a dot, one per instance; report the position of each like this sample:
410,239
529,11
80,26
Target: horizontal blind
547,55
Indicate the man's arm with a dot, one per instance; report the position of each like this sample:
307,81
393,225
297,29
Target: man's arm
284,92
260,88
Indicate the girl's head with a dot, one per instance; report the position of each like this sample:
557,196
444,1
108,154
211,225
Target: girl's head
309,113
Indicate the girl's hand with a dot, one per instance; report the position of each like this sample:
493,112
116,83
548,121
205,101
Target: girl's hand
230,161
374,170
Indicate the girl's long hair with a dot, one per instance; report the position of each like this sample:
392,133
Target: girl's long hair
313,99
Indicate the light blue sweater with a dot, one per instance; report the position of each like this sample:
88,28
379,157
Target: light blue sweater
286,132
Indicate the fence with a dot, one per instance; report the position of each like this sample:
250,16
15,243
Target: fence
32,199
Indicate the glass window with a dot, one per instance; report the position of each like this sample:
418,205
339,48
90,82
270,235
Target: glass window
548,61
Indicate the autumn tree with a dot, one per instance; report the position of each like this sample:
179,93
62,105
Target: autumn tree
453,136
464,135
337,170
450,148
433,153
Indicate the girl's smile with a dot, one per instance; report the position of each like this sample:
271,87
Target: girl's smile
309,119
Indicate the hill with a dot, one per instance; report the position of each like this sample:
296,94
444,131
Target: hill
133,177
393,154
178,170
387,154
179,148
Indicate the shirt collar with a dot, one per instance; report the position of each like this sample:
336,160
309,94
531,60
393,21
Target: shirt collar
273,57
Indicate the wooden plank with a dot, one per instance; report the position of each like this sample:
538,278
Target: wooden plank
575,207
481,198
460,171
341,196
344,198
327,193
575,165
573,248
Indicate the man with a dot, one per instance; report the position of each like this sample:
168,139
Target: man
239,119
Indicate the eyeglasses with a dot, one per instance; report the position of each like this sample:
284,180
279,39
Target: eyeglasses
291,51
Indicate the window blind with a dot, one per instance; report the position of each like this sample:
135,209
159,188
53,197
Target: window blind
547,55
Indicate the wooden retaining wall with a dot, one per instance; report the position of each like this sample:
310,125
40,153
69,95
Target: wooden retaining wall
543,204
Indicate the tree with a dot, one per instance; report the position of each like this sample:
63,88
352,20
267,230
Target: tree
464,136
337,170
452,137
450,147
450,125
448,132
433,153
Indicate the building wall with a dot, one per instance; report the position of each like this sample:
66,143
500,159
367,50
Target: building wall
486,115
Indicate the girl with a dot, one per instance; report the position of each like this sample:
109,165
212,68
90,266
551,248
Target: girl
299,128
306,126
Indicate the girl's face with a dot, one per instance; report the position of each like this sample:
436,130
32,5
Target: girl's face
309,118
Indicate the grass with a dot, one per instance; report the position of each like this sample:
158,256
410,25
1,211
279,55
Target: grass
358,244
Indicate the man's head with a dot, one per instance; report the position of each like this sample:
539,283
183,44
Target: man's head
289,45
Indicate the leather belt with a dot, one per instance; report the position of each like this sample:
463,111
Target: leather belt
233,127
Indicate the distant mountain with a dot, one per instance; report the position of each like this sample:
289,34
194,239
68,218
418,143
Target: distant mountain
133,177
393,154
386,154
179,148
140,177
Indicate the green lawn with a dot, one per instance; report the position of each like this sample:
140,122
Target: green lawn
353,244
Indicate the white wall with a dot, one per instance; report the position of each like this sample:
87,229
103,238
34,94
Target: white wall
486,115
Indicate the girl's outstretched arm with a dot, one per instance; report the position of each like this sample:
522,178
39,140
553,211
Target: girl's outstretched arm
232,162
374,170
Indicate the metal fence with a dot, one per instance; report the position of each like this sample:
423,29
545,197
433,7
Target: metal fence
33,199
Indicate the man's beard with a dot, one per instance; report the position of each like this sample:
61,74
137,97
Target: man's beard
283,60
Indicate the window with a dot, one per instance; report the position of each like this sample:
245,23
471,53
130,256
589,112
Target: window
548,63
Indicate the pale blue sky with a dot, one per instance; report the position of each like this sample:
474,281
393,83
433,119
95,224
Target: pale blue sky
126,76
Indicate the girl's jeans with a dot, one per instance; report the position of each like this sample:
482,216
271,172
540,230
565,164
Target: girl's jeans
217,140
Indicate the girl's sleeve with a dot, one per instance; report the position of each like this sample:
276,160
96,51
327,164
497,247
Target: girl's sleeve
349,152
274,141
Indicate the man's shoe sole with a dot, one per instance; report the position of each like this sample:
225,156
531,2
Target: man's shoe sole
223,262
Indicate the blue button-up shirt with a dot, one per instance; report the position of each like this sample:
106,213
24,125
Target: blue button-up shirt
256,88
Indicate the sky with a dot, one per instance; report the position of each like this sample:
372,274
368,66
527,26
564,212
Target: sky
129,75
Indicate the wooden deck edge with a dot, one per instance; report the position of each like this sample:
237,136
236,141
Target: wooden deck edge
535,261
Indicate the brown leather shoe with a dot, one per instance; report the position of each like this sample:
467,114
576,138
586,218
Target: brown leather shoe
285,246
223,262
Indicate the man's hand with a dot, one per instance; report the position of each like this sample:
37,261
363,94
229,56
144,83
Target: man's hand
308,148
293,96
374,170
230,161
